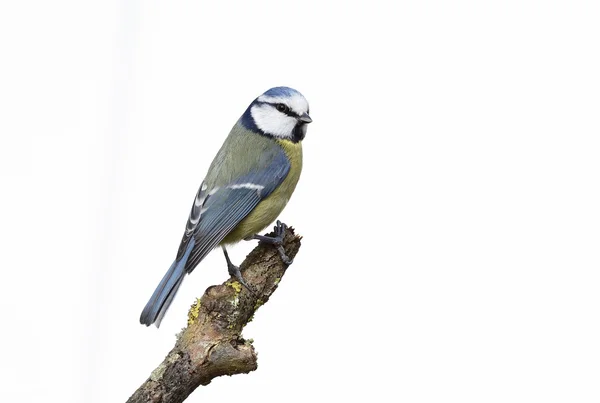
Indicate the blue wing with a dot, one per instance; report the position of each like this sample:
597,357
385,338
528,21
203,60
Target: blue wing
224,208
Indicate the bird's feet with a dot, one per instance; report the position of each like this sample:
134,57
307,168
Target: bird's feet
234,271
276,241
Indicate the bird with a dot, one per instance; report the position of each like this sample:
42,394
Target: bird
248,184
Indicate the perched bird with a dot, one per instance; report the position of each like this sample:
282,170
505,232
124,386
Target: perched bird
248,184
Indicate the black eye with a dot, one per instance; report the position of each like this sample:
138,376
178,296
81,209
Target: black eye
282,108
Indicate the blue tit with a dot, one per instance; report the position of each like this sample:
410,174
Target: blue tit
248,184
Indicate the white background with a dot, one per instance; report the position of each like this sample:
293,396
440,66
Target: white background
450,201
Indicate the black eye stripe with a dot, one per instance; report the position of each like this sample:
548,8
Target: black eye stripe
289,111
286,110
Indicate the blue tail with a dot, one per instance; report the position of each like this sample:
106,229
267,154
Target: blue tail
162,297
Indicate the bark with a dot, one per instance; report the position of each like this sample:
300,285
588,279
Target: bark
212,344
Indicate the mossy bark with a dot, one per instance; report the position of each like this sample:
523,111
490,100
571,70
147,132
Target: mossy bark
212,344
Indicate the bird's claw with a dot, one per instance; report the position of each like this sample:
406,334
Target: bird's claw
234,271
276,241
279,230
286,260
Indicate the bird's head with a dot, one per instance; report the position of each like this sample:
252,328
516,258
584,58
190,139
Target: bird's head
281,113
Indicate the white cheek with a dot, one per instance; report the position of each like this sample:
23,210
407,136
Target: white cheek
273,122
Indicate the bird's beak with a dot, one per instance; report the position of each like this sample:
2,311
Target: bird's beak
305,118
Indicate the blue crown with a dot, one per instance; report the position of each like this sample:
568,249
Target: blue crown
281,92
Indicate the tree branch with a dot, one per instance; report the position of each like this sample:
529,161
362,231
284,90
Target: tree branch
212,344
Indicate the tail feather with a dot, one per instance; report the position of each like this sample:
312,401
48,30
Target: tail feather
162,297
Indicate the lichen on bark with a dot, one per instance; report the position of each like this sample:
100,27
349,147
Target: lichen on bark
212,344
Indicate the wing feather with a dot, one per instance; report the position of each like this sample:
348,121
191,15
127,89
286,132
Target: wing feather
230,206
193,219
216,212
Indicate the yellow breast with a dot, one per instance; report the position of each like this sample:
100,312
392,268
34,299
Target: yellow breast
269,209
